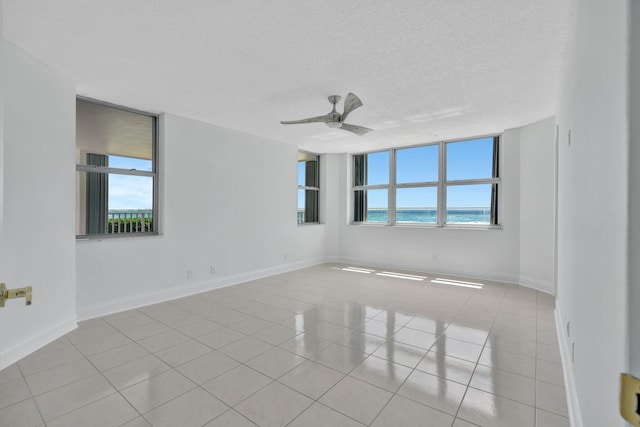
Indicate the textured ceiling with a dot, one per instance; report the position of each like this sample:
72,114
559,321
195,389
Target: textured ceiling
426,70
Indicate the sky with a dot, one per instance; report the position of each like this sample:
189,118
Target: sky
128,191
465,160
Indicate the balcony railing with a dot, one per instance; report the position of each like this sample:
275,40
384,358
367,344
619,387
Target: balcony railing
130,221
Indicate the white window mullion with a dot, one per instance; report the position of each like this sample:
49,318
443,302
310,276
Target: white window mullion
442,188
391,208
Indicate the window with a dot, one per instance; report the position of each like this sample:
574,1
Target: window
116,175
444,183
371,187
472,181
308,187
417,184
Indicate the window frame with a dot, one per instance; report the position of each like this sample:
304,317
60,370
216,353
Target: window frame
153,174
367,187
494,180
442,185
306,188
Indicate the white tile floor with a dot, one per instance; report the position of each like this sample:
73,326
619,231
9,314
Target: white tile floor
323,346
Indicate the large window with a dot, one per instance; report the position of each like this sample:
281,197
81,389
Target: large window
116,175
439,184
308,187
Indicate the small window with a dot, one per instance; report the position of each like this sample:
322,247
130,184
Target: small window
371,187
116,176
308,187
438,184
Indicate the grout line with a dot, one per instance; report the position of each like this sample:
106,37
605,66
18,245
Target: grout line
316,300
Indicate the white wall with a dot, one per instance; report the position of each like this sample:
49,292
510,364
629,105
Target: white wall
593,209
634,194
37,218
537,205
228,200
331,172
489,254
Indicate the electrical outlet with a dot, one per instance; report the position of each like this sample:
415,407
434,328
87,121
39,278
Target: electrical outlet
213,269
285,257
189,273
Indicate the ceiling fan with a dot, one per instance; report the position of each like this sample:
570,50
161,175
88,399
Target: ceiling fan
334,119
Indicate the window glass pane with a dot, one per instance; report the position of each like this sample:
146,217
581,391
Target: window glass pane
308,170
301,170
301,201
307,206
359,169
376,205
470,159
417,205
113,203
308,176
370,206
113,132
130,203
311,206
311,173
418,164
130,192
377,168
469,204
130,163
91,203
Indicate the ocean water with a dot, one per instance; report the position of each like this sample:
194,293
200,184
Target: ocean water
427,216
430,216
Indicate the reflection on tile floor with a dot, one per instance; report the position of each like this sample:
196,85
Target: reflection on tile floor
327,345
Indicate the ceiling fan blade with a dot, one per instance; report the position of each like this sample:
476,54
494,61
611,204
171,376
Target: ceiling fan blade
358,130
351,102
318,119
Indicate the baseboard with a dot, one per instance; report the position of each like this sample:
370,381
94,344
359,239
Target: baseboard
34,342
537,284
573,406
505,278
141,300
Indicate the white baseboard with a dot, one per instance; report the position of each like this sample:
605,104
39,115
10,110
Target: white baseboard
573,406
141,300
537,284
36,341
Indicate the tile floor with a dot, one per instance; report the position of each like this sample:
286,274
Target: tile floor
328,345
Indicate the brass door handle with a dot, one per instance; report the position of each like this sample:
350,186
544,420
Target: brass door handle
6,294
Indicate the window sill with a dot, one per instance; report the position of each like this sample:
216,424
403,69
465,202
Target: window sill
431,226
309,224
116,237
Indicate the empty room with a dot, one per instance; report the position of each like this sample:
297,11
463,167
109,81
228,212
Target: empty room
332,213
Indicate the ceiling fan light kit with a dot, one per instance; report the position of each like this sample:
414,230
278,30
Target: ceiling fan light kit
334,119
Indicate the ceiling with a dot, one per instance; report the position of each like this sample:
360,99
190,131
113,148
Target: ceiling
425,70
